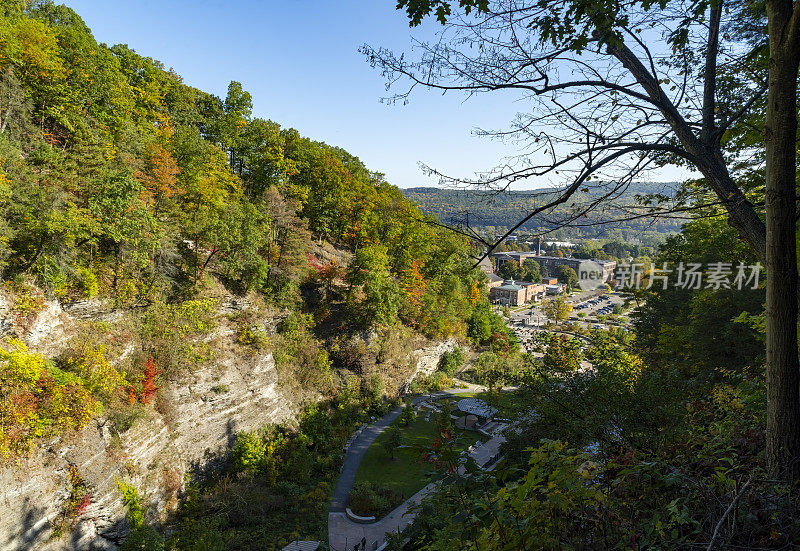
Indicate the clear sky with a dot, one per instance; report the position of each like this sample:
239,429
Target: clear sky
299,60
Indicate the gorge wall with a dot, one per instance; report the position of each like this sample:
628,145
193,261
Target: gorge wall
207,408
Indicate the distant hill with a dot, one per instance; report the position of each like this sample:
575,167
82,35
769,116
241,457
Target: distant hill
490,211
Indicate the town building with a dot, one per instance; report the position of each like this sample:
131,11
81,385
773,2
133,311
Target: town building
508,294
516,293
494,280
551,263
517,256
486,265
534,292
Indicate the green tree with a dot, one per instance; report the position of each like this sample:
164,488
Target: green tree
674,325
237,109
567,275
562,354
375,294
509,270
698,115
480,324
557,309
444,423
531,271
407,416
392,440
451,361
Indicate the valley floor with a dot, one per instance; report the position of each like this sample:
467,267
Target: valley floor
343,533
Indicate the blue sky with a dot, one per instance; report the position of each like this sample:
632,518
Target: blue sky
299,60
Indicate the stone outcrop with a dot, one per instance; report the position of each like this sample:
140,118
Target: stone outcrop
427,359
186,432
202,414
154,456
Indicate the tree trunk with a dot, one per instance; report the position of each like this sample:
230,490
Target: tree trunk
707,159
774,242
780,135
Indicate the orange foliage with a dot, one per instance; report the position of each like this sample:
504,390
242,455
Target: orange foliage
160,172
149,387
50,138
414,283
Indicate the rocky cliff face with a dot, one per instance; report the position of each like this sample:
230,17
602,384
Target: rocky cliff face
207,408
428,357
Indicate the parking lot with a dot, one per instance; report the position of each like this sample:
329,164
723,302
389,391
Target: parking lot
602,305
585,302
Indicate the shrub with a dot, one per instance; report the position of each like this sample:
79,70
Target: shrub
89,284
295,322
75,505
433,383
250,453
451,361
141,536
304,358
256,338
38,399
91,365
496,370
170,331
124,416
29,301
370,499
149,387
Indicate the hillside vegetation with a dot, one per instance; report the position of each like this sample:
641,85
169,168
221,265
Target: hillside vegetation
120,182
494,213
209,234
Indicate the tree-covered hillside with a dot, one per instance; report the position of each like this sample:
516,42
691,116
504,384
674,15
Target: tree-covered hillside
497,212
119,179
120,182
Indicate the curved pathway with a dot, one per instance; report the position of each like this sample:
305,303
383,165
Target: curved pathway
343,533
359,447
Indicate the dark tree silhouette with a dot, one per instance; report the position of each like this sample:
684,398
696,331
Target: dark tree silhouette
615,90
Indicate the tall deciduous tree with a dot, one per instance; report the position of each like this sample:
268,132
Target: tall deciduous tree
557,309
620,91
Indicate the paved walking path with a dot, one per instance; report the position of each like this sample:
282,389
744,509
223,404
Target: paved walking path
343,533
360,445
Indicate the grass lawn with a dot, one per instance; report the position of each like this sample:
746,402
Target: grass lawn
408,473
507,403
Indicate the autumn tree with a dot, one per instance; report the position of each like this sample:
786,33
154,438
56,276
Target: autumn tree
562,354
